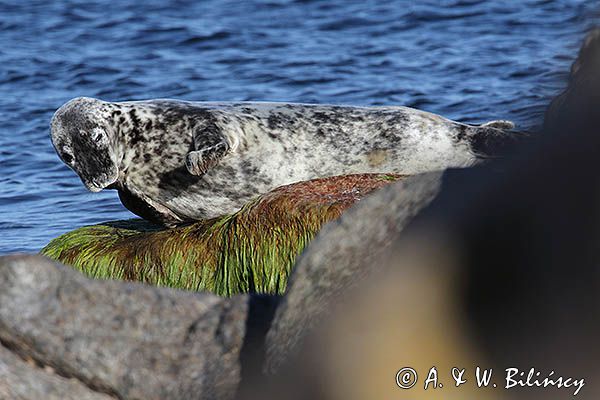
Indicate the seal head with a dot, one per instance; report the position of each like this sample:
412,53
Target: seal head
84,143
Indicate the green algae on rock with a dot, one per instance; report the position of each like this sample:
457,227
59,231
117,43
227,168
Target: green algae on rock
252,250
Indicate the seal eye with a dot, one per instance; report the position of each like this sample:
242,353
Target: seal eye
68,158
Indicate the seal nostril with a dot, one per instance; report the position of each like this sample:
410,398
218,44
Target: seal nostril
68,158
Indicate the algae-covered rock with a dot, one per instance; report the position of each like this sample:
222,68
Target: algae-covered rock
252,250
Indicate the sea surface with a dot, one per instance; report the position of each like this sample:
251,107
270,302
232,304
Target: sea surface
468,60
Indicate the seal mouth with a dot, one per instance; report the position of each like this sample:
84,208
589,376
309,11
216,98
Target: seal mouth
96,186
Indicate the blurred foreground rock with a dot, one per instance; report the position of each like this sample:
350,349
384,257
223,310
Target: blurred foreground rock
112,339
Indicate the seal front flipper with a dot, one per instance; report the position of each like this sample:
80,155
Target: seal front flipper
142,206
211,146
198,162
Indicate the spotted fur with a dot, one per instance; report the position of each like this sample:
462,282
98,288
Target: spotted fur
176,161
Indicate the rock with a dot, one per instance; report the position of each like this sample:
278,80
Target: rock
252,250
21,380
342,254
124,340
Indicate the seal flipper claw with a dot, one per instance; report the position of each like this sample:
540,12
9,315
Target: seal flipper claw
210,146
198,162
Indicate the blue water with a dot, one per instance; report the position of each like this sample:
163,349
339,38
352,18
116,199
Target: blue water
469,60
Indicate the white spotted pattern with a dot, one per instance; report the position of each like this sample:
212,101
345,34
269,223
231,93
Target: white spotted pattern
140,148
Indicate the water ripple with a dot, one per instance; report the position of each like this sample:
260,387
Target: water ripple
470,60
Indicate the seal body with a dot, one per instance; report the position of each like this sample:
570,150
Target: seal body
176,161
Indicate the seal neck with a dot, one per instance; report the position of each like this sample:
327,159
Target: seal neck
120,132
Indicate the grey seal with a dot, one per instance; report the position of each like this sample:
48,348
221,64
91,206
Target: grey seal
177,161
